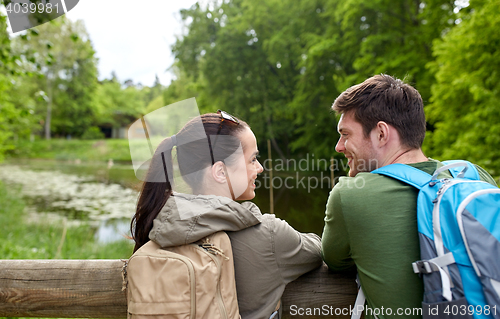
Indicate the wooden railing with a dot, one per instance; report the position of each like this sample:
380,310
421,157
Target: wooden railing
93,289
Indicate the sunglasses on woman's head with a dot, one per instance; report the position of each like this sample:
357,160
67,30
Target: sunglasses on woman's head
224,116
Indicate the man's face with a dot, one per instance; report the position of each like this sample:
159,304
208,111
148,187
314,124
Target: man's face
358,149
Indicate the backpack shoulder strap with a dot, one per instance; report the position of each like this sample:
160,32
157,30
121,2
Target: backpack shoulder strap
418,178
471,172
405,173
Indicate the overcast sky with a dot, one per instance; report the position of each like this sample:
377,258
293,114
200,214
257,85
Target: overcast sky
132,38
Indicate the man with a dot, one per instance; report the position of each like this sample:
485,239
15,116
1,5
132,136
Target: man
371,220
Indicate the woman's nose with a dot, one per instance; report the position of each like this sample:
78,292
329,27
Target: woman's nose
260,169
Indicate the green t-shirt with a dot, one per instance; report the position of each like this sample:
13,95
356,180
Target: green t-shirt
371,222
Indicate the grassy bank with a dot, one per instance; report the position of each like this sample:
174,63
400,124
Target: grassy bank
22,239
62,149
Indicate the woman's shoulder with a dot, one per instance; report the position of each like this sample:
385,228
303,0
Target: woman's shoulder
279,229
269,227
270,221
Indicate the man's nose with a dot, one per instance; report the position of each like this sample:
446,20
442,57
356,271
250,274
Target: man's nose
340,147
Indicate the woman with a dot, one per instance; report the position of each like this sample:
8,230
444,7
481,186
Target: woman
221,166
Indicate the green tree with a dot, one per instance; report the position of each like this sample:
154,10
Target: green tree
7,112
364,38
155,91
15,120
465,112
244,57
181,88
354,40
66,59
281,64
117,105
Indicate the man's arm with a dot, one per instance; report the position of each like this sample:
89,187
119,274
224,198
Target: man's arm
336,249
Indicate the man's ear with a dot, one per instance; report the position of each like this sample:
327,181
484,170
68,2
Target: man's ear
383,132
218,173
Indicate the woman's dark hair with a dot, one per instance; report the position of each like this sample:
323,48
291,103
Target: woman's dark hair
384,98
193,156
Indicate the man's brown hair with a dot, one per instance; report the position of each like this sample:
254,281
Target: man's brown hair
385,98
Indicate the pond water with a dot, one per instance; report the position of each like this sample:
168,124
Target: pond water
76,193
105,195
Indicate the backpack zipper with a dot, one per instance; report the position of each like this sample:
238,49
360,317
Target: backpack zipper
436,223
213,252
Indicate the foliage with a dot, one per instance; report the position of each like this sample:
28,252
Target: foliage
118,105
54,88
465,111
65,75
243,57
93,133
353,40
390,37
182,88
280,64
13,121
155,104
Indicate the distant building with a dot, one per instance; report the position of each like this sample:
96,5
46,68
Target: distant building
113,131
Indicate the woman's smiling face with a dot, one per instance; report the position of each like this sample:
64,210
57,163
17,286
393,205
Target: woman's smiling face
244,172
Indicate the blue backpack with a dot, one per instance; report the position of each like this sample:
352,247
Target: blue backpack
459,233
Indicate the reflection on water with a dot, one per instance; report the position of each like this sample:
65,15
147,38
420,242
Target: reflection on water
113,230
105,196
303,209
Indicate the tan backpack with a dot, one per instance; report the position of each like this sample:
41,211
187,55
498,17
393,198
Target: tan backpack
192,281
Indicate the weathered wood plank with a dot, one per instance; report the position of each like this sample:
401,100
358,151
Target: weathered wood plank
62,288
93,289
320,289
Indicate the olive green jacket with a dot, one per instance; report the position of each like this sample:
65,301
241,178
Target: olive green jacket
268,253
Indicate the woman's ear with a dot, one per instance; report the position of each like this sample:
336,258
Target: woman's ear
218,173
